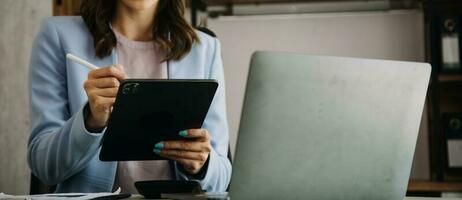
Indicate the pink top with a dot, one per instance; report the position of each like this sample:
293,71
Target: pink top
140,60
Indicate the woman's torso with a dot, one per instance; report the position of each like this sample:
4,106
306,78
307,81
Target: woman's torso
62,35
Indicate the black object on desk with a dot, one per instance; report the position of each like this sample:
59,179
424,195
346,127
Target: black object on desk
155,189
148,111
114,197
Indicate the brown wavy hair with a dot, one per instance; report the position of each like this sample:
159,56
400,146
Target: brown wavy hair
171,31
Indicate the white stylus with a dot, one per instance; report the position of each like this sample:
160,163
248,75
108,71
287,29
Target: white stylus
81,61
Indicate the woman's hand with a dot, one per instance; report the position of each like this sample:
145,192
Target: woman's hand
191,154
101,88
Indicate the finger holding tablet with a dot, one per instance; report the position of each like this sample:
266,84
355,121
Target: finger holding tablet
191,154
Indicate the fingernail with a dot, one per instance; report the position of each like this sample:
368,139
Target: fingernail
159,146
156,151
184,133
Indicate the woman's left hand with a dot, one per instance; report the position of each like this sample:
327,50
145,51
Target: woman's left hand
191,154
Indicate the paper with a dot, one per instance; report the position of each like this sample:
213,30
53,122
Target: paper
450,48
455,153
203,196
70,196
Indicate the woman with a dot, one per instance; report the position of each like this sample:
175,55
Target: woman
127,38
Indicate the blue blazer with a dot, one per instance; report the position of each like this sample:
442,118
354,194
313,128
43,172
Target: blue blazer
61,151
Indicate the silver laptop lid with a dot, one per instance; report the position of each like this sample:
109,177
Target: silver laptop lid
318,127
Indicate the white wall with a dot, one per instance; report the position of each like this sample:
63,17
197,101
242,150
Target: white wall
19,22
395,35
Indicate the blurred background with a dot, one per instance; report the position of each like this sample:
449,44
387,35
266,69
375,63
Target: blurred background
407,30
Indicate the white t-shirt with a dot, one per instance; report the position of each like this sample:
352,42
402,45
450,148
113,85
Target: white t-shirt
140,60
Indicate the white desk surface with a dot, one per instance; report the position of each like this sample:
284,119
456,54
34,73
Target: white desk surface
407,198
430,198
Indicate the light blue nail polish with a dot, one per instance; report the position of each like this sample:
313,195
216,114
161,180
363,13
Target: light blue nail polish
159,146
184,133
156,151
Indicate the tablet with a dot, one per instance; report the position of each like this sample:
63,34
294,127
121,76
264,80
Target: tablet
149,111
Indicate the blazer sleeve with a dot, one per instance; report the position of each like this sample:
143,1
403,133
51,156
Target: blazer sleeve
59,145
218,172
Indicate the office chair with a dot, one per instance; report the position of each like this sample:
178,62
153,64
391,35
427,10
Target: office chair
38,187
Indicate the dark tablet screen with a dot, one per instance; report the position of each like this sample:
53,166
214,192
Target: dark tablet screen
149,111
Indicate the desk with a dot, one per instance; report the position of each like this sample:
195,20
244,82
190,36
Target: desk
425,188
429,198
139,197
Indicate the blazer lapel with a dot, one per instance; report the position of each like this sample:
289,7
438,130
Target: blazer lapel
173,69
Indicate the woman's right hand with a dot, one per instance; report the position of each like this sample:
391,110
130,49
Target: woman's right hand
101,88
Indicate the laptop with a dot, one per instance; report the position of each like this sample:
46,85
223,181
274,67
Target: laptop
316,127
